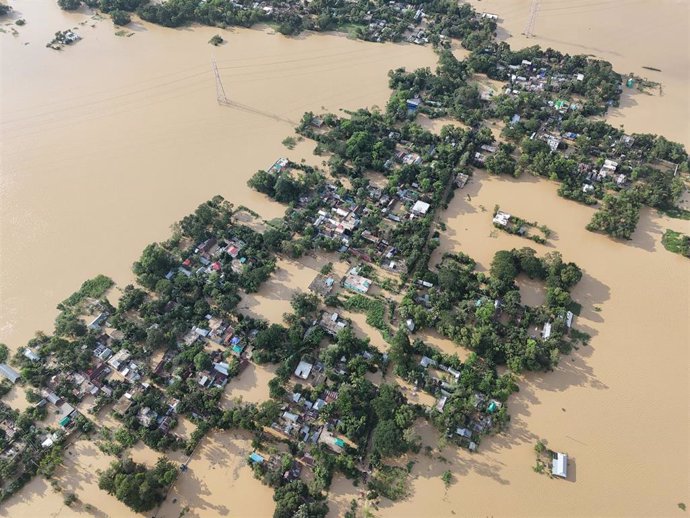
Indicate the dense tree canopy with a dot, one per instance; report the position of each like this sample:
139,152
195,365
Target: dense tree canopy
141,489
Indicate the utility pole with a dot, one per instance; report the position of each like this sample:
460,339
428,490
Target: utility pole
220,91
224,101
533,8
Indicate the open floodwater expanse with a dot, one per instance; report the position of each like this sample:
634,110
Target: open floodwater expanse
105,144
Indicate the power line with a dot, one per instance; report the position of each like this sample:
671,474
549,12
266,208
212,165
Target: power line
220,91
533,8
224,101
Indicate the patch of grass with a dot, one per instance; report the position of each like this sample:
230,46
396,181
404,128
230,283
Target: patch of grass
676,242
93,288
289,142
677,213
391,482
447,478
216,40
374,309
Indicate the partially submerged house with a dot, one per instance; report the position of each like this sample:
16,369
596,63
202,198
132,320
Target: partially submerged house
356,282
420,208
501,218
29,354
322,285
9,373
559,465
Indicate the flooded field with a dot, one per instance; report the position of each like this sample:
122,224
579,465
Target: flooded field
629,34
77,475
100,155
251,386
605,401
272,300
219,482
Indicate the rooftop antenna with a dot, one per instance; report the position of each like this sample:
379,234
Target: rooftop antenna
220,91
533,9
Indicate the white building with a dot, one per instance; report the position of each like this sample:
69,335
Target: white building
420,208
501,218
559,465
303,370
9,373
546,332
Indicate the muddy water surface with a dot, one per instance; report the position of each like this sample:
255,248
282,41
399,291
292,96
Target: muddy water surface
606,401
100,156
631,34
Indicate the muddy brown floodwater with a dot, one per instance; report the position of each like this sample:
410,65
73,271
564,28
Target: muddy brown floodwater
619,406
108,142
631,34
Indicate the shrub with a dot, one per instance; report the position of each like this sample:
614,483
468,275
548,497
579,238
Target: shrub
120,18
216,40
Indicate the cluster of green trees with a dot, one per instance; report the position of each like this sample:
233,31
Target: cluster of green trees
502,161
676,242
295,499
120,17
485,314
17,470
618,215
283,187
444,18
138,487
118,9
278,344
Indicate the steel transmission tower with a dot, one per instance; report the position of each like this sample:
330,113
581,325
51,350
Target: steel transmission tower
533,9
220,91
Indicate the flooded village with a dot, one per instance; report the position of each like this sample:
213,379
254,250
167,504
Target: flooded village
382,320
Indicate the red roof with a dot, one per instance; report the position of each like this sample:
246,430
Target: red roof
186,262
216,266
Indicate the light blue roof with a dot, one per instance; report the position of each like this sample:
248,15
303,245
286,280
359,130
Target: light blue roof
255,457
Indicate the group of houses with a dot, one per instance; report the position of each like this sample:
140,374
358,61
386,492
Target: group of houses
340,218
532,77
302,415
206,258
225,347
480,422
